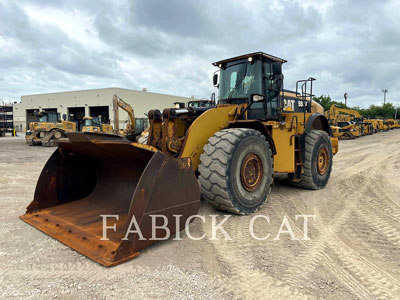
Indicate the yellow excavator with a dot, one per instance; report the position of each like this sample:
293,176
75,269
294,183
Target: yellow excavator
226,154
134,127
95,124
48,130
350,120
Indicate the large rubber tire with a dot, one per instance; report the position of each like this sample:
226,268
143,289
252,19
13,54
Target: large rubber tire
223,165
311,178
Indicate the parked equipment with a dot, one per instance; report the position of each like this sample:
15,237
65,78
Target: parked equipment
48,130
377,124
234,147
337,131
391,123
134,127
94,124
350,130
357,126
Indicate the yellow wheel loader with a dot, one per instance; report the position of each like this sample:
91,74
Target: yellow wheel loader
48,130
94,124
226,154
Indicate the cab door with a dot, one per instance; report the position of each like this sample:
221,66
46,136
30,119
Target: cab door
272,92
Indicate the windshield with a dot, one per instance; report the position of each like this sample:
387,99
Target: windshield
88,122
92,122
240,80
343,124
50,117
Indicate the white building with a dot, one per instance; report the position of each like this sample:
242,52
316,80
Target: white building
75,105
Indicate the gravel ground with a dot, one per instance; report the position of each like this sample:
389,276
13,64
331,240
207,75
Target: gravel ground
353,251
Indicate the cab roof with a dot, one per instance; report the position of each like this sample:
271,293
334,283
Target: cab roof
245,56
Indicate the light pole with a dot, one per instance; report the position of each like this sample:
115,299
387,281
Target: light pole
345,99
384,96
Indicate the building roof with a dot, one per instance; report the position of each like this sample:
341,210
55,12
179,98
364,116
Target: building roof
262,54
102,89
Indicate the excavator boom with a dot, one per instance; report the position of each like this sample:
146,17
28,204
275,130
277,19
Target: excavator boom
119,103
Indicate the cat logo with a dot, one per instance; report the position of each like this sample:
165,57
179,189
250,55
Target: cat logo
288,105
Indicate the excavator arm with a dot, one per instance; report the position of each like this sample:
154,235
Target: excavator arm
335,113
348,111
119,103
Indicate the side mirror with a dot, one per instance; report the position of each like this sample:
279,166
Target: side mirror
276,68
215,79
256,98
64,117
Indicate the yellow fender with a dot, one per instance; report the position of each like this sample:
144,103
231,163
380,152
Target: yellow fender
203,128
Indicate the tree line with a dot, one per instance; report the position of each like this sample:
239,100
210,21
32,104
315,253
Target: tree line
384,111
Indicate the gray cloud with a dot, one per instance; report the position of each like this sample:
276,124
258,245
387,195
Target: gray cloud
168,46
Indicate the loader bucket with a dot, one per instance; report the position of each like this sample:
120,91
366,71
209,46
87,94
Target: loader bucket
90,176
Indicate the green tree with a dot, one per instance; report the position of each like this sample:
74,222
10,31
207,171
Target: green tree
386,111
325,101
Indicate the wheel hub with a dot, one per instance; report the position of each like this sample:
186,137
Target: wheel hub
251,172
322,161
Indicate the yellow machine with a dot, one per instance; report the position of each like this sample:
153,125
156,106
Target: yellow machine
48,130
94,124
226,154
134,127
358,126
391,123
337,131
350,130
378,124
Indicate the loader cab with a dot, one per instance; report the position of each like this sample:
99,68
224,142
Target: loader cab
255,79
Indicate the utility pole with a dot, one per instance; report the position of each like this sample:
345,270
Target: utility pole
384,96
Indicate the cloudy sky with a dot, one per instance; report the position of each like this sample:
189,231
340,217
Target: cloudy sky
167,46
